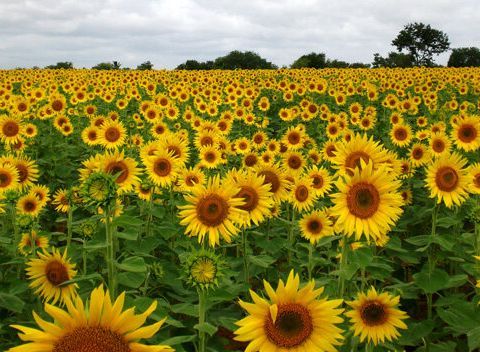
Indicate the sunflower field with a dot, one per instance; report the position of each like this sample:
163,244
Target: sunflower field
262,210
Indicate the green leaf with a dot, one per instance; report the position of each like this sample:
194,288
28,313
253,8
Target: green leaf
419,240
11,302
177,340
185,308
261,260
206,327
94,276
129,279
132,264
129,235
474,338
433,282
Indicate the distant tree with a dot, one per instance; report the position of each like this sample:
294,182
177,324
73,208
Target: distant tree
336,63
464,57
242,60
60,65
147,65
312,60
421,42
114,65
392,60
359,65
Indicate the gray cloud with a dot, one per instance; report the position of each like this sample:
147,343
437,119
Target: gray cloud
168,32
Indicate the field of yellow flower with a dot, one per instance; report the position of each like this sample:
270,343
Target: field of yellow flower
275,210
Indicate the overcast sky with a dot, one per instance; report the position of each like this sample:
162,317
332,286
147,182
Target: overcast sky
168,32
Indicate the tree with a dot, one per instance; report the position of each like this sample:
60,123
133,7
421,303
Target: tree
115,65
392,60
336,63
60,65
147,65
312,60
464,57
421,42
195,65
242,60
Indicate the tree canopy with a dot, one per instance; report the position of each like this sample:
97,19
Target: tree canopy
464,57
233,60
60,65
147,65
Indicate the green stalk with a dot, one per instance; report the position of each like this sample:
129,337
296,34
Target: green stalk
431,258
69,226
369,347
342,265
245,257
110,252
149,214
202,310
84,256
310,261
291,238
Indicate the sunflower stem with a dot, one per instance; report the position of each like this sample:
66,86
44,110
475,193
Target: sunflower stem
431,258
69,226
310,261
202,305
342,266
245,257
369,347
84,256
110,252
291,238
149,214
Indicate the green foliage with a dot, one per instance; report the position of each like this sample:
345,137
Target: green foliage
392,60
147,65
114,65
421,42
60,65
464,57
312,60
247,60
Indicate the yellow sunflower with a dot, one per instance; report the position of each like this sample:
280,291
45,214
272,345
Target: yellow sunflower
419,155
302,195
466,133
11,129
279,185
60,200
321,180
111,134
48,272
368,203
27,171
103,326
291,319
315,226
375,316
189,178
256,195
124,168
29,205
401,135
474,171
212,210
448,179
31,241
293,163
90,135
210,157
162,168
439,143
8,177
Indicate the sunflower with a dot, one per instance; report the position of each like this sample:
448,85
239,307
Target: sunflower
203,268
321,180
419,155
329,150
206,138
31,241
8,177
349,155
112,134
48,272
103,326
368,203
189,178
279,185
30,130
210,157
401,135
124,168
29,205
11,129
302,195
291,319
316,225
162,168
27,171
466,133
256,195
60,200
439,143
448,180
293,163
474,171
41,192
90,136
145,190
375,316
293,138
212,210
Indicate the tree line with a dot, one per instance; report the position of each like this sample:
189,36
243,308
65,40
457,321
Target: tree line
416,44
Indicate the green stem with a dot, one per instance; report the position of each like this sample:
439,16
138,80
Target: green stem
343,263
84,256
110,252
369,347
310,261
149,213
69,226
245,257
431,258
202,310
291,238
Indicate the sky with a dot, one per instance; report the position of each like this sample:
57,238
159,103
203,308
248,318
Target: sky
169,32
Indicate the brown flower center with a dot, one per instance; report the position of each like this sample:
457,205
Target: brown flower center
112,134
353,161
467,133
293,138
162,167
56,273
250,160
317,181
210,157
446,179
212,210
476,180
176,151
5,179
373,313
250,197
294,162
438,145
363,200
57,105
271,178
314,226
301,193
91,339
330,151
10,128
191,180
292,327
400,134
29,206
120,168
417,153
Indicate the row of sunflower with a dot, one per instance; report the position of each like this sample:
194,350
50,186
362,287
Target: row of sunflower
333,176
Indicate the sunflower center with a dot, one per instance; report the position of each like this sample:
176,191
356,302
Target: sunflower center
317,181
354,160
446,179
119,168
301,193
272,179
363,200
57,105
92,135
294,162
212,210
294,138
417,153
203,270
438,146
56,273
400,134
5,179
314,226
476,180
250,160
10,129
467,133
250,196
29,206
191,180
292,327
162,167
206,140
210,157
175,150
330,150
112,134
91,339
373,313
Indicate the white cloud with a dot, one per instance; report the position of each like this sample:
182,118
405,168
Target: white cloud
168,32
